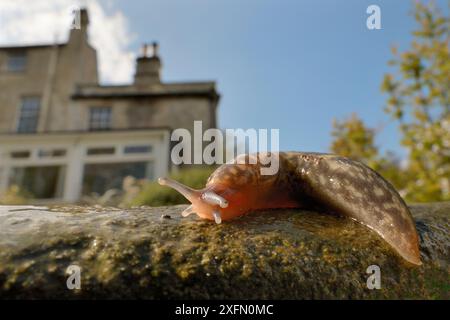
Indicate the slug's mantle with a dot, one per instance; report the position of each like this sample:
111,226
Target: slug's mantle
153,253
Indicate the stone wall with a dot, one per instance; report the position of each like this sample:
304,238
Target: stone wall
51,73
153,253
15,85
133,113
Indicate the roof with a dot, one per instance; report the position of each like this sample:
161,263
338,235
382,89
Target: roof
31,46
93,91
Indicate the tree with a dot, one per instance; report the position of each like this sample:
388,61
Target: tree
354,140
419,99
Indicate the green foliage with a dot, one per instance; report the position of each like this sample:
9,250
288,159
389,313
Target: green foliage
419,99
388,166
14,196
353,139
153,194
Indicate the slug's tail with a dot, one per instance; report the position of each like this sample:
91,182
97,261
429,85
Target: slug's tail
354,190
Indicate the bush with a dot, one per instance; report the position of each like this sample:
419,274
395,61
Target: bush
153,194
15,196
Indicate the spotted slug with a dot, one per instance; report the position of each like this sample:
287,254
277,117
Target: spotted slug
311,181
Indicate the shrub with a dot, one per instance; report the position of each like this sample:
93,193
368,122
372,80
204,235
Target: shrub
14,196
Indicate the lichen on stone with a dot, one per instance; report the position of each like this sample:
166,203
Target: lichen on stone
274,254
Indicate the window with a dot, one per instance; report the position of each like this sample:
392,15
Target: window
101,177
29,115
100,118
17,62
100,151
137,149
51,153
20,154
40,182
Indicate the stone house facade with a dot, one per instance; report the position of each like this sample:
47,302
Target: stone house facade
63,134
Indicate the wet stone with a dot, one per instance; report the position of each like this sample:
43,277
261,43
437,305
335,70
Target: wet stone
274,254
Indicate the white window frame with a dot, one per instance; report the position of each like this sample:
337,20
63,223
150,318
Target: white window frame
76,146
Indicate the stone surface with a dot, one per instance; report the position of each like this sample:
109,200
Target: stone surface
153,253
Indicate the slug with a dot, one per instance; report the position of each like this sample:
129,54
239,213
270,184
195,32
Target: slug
310,181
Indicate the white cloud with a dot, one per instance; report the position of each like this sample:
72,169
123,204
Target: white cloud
24,22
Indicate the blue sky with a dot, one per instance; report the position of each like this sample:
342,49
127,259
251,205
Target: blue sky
288,64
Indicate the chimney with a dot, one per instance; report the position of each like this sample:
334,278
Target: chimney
148,69
79,25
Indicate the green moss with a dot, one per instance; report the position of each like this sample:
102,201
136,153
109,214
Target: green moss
278,254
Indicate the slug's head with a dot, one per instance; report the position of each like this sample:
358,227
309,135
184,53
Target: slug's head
231,191
212,202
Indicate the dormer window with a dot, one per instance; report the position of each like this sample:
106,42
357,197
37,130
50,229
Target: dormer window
17,62
100,118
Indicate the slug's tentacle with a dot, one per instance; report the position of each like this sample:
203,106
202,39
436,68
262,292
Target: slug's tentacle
204,202
187,192
217,217
214,199
308,180
189,210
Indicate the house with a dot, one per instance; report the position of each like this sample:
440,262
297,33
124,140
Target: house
63,134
